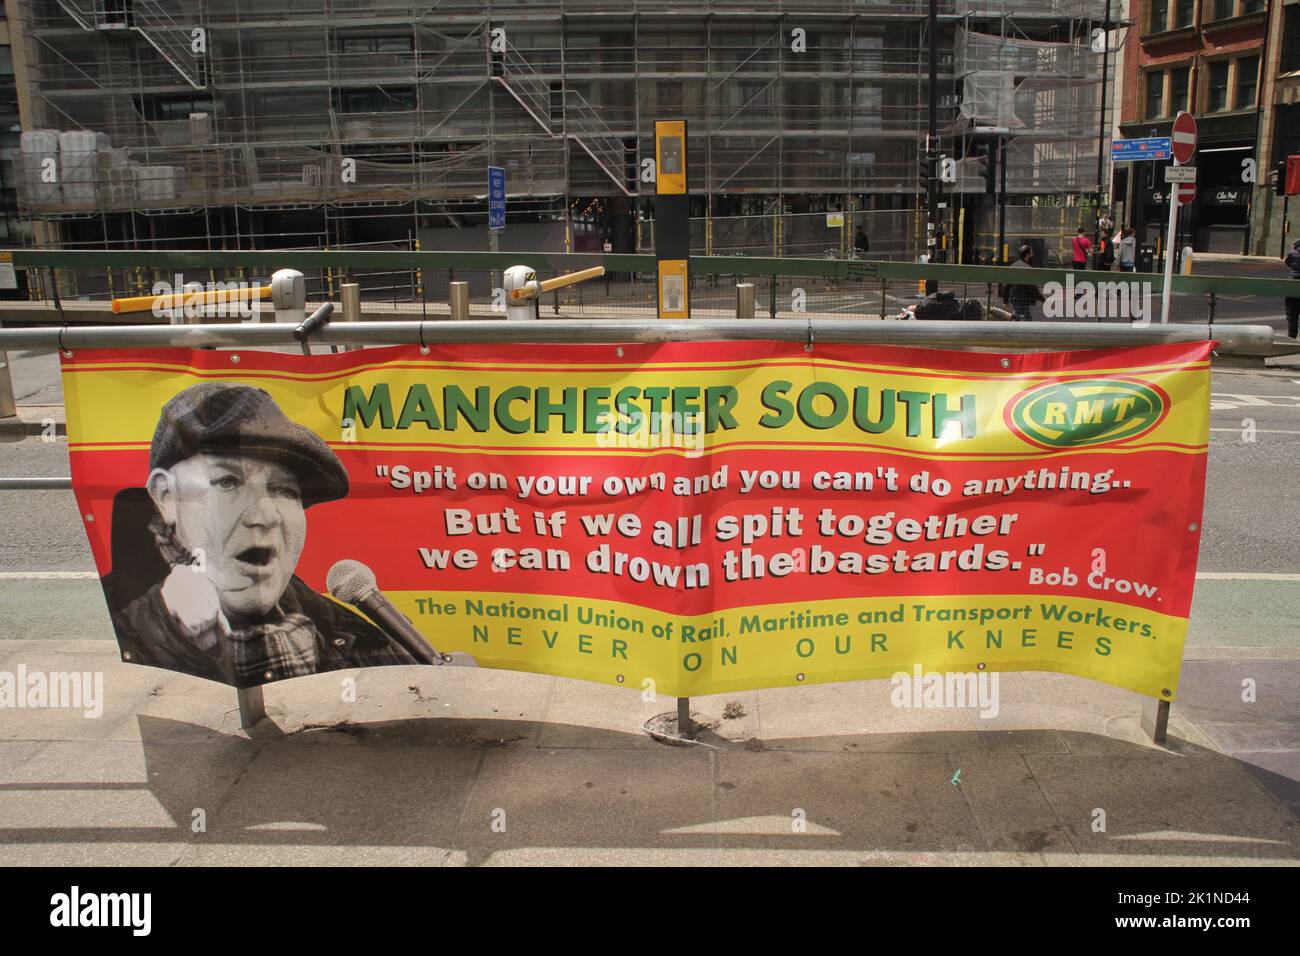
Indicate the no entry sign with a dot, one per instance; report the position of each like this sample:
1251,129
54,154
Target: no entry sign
1185,192
1184,137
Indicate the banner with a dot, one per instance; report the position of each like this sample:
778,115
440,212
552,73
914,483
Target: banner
707,516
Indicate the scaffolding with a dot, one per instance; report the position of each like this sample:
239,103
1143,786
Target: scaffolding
369,123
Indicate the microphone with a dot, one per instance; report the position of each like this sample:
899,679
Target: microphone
354,583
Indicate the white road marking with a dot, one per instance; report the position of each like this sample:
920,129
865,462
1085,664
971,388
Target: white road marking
1243,576
48,575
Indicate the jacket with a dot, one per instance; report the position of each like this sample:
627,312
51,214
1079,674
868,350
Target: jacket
147,634
1021,294
1081,246
1293,263
1128,250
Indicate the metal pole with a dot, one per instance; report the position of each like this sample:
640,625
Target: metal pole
931,142
252,706
1242,339
1155,719
8,407
1002,201
1171,240
745,300
458,301
685,726
1101,127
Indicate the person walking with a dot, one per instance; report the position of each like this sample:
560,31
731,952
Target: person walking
1292,260
1106,251
1081,246
1128,250
1022,296
860,242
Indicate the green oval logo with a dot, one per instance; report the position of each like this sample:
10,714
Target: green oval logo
1086,413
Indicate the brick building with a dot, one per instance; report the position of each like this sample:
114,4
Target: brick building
1203,56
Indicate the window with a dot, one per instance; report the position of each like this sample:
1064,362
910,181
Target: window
1252,6
1217,94
375,99
1223,9
1291,40
1159,16
1183,13
385,44
1247,78
1155,94
1179,83
155,108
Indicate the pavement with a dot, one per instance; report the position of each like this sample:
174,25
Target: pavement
477,767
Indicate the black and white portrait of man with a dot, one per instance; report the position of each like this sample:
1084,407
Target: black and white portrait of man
230,481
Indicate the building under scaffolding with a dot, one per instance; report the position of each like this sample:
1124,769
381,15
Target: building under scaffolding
370,123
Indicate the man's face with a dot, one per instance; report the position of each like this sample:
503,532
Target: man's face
246,517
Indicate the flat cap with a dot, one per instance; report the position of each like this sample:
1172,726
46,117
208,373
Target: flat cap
232,419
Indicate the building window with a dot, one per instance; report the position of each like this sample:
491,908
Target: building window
1291,40
1252,6
1223,9
1159,21
1183,13
1155,105
1217,94
375,99
384,44
167,107
1179,83
1247,78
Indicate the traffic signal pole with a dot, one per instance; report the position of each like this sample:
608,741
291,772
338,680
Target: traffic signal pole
931,146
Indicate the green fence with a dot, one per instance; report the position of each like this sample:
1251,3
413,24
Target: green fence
823,288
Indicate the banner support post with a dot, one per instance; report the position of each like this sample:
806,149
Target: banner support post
252,706
684,726
1155,719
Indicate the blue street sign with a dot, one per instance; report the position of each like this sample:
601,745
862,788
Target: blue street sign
1134,150
496,197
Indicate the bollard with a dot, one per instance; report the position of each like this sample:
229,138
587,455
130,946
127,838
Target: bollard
1155,719
350,307
685,726
289,296
745,300
350,301
8,407
252,706
458,301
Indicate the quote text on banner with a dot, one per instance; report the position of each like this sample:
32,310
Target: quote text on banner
710,516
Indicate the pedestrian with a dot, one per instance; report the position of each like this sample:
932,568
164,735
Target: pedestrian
1022,297
860,242
1081,246
1106,251
1292,260
1128,250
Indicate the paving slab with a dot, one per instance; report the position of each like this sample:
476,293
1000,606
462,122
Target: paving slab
584,799
1160,803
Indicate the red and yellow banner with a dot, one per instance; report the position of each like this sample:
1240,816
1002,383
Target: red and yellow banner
707,516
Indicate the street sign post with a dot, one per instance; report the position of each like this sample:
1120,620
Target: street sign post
1137,150
1181,191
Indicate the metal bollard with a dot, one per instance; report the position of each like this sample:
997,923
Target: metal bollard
458,301
350,307
745,300
8,407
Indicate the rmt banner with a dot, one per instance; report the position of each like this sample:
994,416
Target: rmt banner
712,516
